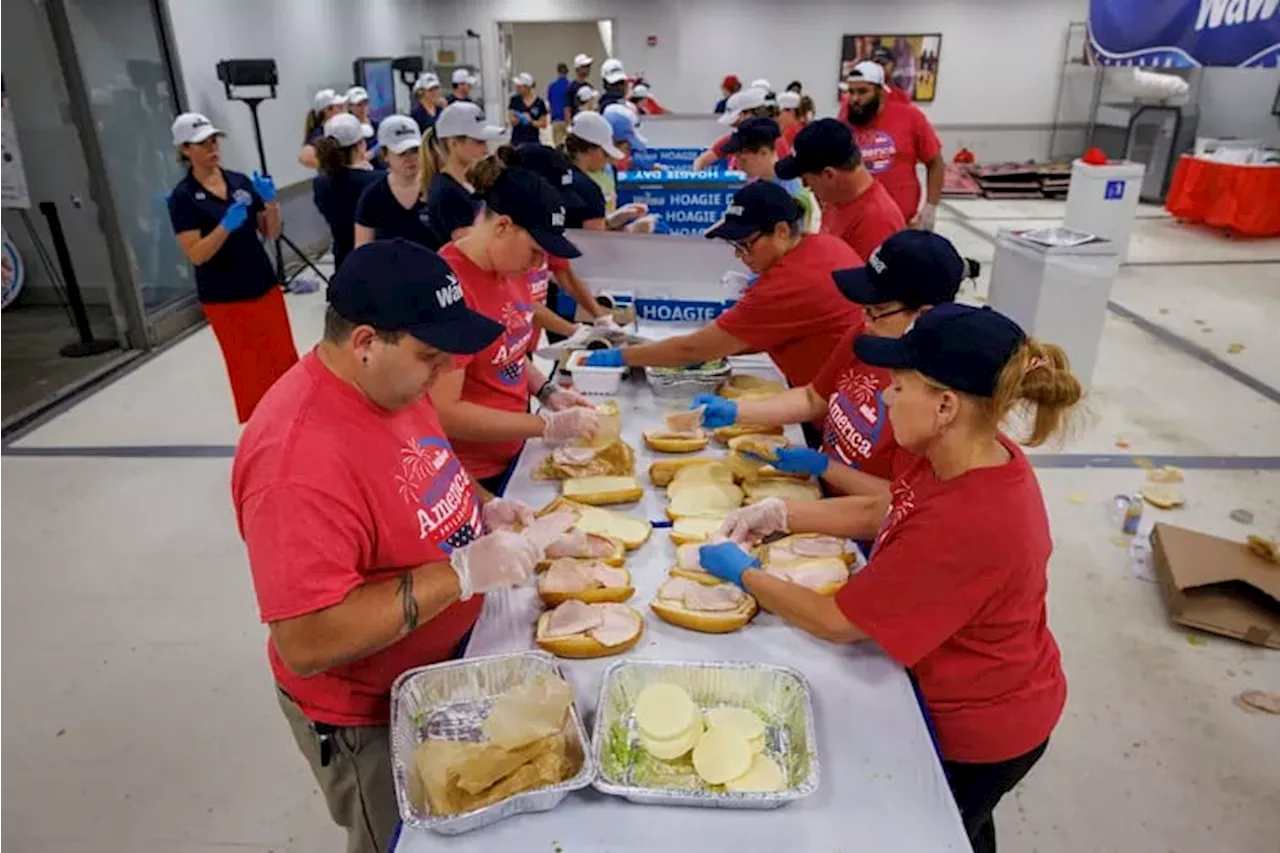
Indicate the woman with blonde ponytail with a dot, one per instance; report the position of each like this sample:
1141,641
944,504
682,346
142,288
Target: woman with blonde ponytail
956,583
459,139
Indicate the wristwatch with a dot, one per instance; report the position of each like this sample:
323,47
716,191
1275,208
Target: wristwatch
547,389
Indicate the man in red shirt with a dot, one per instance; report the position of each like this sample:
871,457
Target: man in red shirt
748,103
855,206
893,137
366,538
792,312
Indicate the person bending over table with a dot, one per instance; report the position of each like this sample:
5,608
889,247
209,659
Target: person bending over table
908,275
792,312
955,588
366,537
484,401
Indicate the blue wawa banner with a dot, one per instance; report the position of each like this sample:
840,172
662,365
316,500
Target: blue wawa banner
1185,33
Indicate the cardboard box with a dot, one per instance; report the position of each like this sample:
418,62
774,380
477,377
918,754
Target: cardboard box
1217,585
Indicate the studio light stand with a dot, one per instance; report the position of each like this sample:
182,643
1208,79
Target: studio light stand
261,73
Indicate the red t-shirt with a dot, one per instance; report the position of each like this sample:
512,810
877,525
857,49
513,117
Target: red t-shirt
895,140
789,133
495,376
332,492
781,145
955,590
893,93
856,431
793,311
865,222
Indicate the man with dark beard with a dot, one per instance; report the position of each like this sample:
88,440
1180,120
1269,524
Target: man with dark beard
893,137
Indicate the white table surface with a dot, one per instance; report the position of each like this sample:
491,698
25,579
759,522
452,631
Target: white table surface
882,788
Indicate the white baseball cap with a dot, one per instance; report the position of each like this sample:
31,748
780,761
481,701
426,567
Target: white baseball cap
867,72
740,102
640,90
585,93
523,79
611,64
616,75
462,75
582,60
464,118
789,100
193,128
345,128
326,98
761,83
595,128
398,134
426,81
357,95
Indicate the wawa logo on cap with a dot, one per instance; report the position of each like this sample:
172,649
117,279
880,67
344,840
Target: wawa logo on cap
733,210
403,130
566,179
875,263
450,293
199,123
557,218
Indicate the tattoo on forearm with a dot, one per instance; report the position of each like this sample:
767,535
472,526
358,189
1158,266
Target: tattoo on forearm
408,603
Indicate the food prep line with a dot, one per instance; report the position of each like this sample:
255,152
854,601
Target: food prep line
881,788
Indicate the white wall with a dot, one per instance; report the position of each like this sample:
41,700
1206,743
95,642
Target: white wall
1236,102
999,64
313,43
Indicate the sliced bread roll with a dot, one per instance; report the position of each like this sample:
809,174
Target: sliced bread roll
585,546
728,433
716,608
664,471
714,500
803,547
692,528
744,385
579,630
630,531
758,490
602,491
589,581
664,441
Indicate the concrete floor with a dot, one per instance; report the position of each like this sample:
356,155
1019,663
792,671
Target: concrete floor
138,714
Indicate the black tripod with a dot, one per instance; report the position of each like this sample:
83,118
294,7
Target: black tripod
253,103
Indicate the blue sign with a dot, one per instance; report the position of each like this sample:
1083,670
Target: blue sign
1114,190
1185,33
685,201
680,311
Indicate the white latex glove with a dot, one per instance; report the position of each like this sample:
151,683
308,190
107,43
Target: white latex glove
606,321
573,422
496,560
753,523
566,398
927,216
505,514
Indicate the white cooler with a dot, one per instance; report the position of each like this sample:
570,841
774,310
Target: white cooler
1103,200
1056,293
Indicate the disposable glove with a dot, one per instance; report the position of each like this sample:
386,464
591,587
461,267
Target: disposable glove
606,321
606,358
573,422
235,216
719,412
499,559
802,460
927,216
753,523
727,561
566,398
505,514
264,187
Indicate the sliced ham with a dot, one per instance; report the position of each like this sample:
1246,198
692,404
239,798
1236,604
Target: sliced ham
817,546
574,617
618,623
714,598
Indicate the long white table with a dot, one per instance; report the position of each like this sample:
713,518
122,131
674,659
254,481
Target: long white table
882,787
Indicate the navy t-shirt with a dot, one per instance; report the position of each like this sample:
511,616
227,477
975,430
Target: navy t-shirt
611,98
592,199
571,95
450,206
336,198
523,134
379,209
240,270
424,119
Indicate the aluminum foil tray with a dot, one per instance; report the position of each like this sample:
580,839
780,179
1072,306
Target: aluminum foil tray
451,700
686,382
779,694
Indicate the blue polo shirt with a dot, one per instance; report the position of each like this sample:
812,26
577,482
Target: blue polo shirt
240,270
336,198
379,209
450,206
558,97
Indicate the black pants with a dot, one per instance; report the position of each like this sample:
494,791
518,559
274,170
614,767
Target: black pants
497,484
812,435
978,787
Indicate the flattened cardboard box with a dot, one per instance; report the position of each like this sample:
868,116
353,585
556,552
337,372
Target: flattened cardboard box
1217,585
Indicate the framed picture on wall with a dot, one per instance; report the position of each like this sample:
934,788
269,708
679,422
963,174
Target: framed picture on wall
914,67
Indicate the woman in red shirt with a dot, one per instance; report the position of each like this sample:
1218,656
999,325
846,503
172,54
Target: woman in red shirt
955,589
484,402
908,275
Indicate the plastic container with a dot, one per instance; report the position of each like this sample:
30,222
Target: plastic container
593,380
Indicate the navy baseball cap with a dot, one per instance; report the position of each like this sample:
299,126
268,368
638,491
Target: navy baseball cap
752,134
756,208
822,143
882,54
398,286
535,206
962,347
555,169
912,267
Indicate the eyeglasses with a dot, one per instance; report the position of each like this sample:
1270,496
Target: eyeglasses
883,314
744,247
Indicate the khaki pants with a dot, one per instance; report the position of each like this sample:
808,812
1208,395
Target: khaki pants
357,783
558,132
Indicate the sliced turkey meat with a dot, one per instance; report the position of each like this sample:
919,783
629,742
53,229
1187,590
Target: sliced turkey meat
618,624
606,576
714,598
573,455
575,543
676,589
544,531
817,546
564,576
684,422
687,556
574,617
813,574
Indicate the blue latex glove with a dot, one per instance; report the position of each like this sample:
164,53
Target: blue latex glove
606,358
802,460
726,561
523,118
719,412
235,216
264,187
